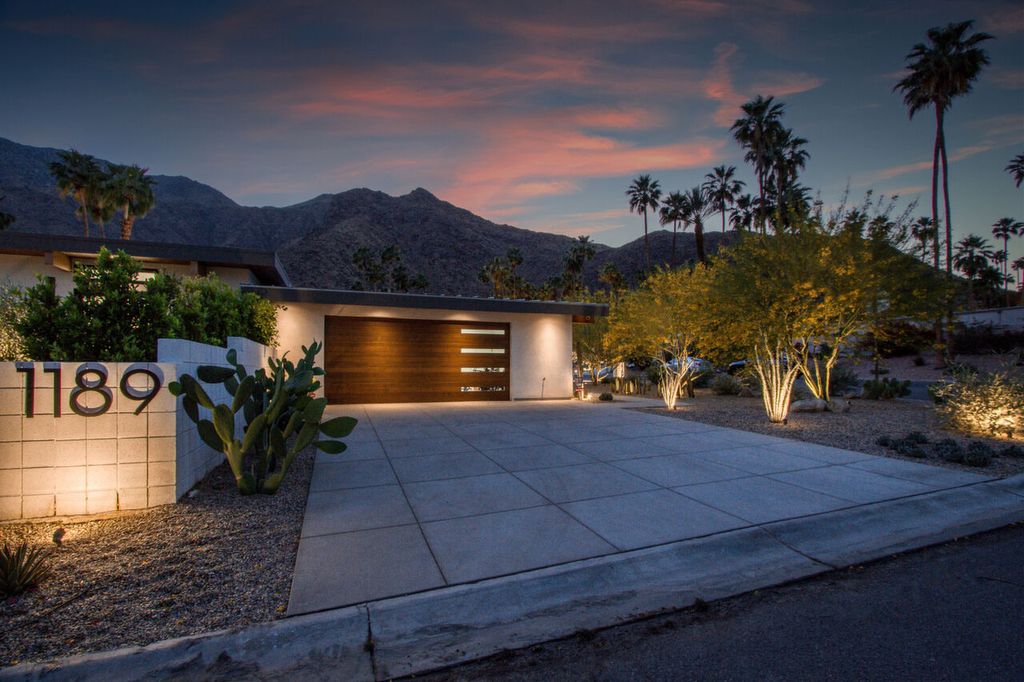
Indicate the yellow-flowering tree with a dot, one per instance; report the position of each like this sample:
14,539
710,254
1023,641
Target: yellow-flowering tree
657,321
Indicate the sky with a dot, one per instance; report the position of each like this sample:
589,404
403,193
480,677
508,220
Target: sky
536,114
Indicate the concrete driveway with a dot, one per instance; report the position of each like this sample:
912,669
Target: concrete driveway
431,495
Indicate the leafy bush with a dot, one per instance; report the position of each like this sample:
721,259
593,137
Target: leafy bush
21,568
11,345
949,450
606,397
885,389
985,404
842,380
208,311
108,316
726,384
282,417
112,316
978,454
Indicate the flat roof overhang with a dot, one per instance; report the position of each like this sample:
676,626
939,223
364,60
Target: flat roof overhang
580,311
264,264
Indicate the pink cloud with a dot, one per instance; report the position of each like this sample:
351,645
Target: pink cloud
718,85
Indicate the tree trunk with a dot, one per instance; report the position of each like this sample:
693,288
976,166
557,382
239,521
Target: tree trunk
949,232
698,232
126,224
647,244
940,358
85,211
760,207
675,229
723,218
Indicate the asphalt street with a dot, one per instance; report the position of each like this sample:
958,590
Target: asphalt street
952,612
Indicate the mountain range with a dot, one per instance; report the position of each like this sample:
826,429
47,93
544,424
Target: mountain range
316,239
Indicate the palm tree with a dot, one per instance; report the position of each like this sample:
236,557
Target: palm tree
76,175
742,217
940,71
1016,169
971,258
672,212
754,132
697,206
723,188
644,193
579,253
495,273
923,230
788,157
514,258
1018,266
1004,228
131,190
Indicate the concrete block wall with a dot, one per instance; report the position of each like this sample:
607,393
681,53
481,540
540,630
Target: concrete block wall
70,464
193,458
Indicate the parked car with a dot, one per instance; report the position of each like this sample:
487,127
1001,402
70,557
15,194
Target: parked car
695,365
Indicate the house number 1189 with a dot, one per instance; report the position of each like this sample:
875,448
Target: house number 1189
90,378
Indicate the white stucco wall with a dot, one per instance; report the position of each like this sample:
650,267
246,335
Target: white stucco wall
22,271
541,344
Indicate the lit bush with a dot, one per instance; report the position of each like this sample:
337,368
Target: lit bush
984,404
11,346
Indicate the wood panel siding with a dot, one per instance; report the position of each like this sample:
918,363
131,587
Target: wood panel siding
387,360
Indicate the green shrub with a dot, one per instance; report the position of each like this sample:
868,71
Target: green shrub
843,379
11,345
949,450
916,437
21,568
884,441
1012,451
726,384
282,417
108,316
208,310
984,404
112,316
605,397
978,454
885,389
909,447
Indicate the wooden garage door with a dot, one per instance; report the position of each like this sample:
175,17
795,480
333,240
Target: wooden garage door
377,360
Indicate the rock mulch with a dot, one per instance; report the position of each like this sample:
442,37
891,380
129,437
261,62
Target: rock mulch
215,560
858,429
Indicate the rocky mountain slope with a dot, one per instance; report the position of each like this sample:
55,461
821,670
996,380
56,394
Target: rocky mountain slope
316,239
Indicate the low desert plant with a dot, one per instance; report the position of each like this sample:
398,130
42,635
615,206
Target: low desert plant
948,450
21,568
1012,451
978,454
282,417
885,389
916,437
984,404
726,384
605,397
843,380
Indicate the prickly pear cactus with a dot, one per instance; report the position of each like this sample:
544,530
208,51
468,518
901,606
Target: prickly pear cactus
282,417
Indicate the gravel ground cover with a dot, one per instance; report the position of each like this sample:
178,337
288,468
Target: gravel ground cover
858,429
215,560
904,368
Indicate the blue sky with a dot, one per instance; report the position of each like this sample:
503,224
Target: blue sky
537,114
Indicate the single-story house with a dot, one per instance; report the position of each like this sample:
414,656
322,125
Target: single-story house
377,347
391,347
23,255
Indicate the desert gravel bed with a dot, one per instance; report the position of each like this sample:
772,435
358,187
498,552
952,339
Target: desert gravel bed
857,429
215,560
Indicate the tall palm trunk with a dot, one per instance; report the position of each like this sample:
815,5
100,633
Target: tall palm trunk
723,217
1006,263
698,232
939,356
950,317
760,207
84,203
675,229
126,223
647,244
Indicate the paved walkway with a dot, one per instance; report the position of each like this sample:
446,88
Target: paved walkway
441,494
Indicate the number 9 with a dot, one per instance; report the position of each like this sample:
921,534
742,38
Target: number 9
145,396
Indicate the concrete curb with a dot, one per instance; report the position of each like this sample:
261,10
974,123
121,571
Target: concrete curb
443,627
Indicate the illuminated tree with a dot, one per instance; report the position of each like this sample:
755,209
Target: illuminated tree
658,321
